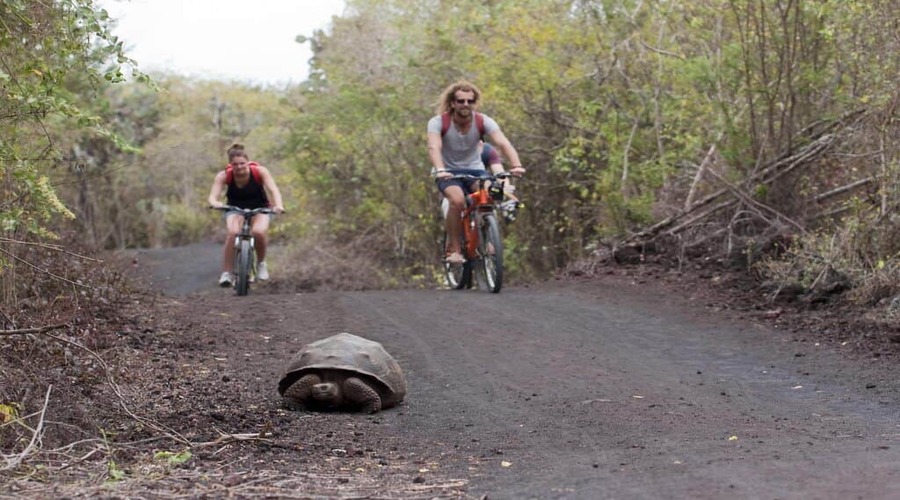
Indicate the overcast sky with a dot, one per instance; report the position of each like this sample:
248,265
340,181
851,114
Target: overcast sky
246,40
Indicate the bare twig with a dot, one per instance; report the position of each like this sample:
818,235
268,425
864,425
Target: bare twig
26,331
118,392
660,51
690,196
884,172
36,435
625,155
82,458
45,271
233,438
55,248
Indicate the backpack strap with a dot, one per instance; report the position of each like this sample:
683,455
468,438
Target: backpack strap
479,124
445,123
254,171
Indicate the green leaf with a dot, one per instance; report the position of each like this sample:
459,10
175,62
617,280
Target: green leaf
172,458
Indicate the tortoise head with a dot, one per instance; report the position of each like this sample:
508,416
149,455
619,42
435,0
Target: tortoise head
327,392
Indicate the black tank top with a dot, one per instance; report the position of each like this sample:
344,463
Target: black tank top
252,195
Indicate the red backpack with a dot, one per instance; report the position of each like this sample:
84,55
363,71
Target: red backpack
479,122
229,173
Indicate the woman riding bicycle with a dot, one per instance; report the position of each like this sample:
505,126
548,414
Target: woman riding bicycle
454,139
245,184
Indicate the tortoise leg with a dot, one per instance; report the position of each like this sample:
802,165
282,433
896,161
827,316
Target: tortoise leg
299,392
358,391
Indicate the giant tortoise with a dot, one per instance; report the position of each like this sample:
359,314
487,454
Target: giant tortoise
343,372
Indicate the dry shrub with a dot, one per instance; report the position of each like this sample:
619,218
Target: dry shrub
881,282
810,260
321,264
854,254
185,225
85,301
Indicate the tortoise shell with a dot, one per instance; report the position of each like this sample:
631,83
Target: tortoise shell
349,353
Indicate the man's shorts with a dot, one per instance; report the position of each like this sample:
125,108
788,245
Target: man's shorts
466,185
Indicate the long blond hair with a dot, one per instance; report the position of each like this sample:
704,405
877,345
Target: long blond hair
445,102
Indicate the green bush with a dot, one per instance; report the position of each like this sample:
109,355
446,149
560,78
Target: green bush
184,224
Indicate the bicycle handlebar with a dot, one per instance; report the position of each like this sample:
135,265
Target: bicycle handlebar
481,175
245,211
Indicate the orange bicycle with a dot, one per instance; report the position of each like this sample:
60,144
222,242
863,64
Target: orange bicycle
482,245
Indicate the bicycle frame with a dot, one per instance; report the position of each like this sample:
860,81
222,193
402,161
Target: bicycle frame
481,242
245,233
244,264
478,204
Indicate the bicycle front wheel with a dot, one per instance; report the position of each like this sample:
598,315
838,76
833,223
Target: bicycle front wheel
458,276
243,268
491,254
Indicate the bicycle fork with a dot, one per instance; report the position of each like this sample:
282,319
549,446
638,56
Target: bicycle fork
245,233
477,202
470,235
237,242
237,252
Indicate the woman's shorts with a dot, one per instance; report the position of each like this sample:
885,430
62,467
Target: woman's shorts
235,212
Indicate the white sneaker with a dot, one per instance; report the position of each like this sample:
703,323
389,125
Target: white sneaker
226,280
262,271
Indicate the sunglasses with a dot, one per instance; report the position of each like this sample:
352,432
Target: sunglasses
465,101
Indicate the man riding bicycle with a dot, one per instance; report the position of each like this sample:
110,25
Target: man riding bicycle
455,135
245,184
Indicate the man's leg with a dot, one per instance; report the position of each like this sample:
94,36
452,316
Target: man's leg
457,202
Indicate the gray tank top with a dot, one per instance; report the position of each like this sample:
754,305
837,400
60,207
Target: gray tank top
462,150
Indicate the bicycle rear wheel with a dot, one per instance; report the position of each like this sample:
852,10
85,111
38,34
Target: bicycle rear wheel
458,276
244,256
490,248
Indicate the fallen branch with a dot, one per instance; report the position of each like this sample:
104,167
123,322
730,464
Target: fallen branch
810,151
843,189
699,176
260,437
765,176
26,331
753,203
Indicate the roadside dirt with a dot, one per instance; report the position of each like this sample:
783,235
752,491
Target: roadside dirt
635,383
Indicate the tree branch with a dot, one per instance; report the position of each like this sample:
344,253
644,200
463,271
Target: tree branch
26,331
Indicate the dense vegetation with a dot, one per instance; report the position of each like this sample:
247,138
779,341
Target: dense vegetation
55,60
737,123
710,127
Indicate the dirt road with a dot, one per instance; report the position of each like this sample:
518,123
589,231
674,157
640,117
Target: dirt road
600,389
